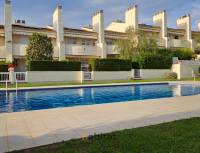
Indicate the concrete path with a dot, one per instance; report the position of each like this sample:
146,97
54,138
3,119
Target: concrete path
35,128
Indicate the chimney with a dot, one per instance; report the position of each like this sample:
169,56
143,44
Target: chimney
198,25
59,28
8,29
184,22
98,26
160,20
131,17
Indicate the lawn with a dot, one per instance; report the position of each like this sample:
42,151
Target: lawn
89,82
175,137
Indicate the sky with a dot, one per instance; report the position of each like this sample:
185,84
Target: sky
78,13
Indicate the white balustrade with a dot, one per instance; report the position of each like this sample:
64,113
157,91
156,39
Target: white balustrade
4,77
111,49
19,49
21,76
81,50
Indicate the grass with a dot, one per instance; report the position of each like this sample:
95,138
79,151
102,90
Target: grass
89,82
174,137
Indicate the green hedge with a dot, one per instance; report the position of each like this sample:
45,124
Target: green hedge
3,67
54,66
160,59
110,65
183,54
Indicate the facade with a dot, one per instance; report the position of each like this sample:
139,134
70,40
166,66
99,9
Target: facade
95,41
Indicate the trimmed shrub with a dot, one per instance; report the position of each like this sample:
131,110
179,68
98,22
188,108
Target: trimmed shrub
171,75
183,54
135,65
3,67
54,66
199,69
159,59
110,65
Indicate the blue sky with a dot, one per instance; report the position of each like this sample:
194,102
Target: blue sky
77,13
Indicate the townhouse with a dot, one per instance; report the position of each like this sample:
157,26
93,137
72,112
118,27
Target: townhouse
94,41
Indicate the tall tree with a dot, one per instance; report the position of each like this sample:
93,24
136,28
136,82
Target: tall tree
136,43
39,48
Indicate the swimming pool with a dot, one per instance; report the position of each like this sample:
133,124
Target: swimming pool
55,98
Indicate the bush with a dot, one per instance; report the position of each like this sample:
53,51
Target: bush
135,65
110,65
3,67
159,59
171,75
183,54
199,69
54,66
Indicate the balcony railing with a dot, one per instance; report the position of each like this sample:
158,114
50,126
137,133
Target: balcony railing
82,50
19,49
111,49
178,43
2,52
161,42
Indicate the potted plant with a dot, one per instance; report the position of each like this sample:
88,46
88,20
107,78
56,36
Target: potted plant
11,67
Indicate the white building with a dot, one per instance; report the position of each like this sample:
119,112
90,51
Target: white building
95,41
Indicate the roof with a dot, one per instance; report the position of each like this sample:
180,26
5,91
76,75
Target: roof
149,27
31,27
78,30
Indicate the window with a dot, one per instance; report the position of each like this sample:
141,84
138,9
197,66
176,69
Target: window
83,42
71,41
88,42
176,37
109,42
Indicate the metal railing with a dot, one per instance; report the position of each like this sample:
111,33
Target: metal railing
4,77
21,76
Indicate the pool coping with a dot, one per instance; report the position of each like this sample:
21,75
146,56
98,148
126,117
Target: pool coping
96,85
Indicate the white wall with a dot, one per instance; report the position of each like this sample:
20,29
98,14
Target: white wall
185,70
154,73
53,76
111,75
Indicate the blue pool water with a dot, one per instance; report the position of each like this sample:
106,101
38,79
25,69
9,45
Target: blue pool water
47,99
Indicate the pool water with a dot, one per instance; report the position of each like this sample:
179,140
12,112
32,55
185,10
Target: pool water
48,99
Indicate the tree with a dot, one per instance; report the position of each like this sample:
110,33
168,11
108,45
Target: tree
39,48
136,43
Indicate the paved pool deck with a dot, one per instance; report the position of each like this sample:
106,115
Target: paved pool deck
24,130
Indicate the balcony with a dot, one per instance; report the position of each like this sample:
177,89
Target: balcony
84,50
2,52
178,43
161,42
19,49
111,49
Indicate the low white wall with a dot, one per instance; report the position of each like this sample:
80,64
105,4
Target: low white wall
185,70
111,75
53,76
154,73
